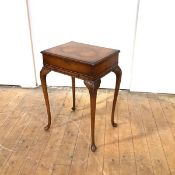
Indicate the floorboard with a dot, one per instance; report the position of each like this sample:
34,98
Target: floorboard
142,144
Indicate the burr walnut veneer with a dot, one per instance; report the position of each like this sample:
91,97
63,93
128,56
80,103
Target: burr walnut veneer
86,62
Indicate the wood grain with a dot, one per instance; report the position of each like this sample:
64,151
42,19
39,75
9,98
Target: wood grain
143,143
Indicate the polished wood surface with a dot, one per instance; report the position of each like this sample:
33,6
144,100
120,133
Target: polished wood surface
84,61
82,65
142,144
79,52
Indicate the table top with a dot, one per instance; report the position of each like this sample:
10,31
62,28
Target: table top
80,52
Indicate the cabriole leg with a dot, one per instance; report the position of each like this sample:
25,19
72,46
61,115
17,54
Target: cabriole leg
92,87
73,93
43,73
118,73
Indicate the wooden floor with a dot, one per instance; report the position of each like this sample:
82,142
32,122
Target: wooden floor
143,143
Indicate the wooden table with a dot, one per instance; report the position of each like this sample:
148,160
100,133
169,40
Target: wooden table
86,62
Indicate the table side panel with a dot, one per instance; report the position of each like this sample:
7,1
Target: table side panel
69,65
106,65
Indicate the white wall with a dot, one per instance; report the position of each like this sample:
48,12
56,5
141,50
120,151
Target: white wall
100,22
16,61
154,60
